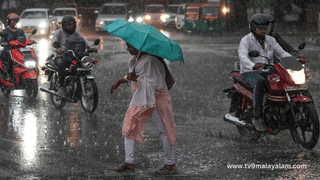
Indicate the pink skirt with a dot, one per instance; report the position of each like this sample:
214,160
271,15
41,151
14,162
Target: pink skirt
136,117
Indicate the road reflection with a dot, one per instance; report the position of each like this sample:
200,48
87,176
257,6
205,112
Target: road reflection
42,51
25,130
73,130
29,139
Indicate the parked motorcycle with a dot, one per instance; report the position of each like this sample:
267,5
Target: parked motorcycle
25,67
287,103
79,83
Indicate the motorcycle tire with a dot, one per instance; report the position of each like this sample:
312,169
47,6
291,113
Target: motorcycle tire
58,102
89,101
305,130
246,131
249,132
6,91
32,88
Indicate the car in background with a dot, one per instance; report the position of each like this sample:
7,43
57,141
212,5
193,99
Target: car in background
110,12
59,13
170,14
154,14
2,26
179,19
135,13
38,18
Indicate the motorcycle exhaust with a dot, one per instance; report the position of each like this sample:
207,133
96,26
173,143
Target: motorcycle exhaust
233,120
51,92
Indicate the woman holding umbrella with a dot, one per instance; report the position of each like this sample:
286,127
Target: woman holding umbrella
150,99
151,80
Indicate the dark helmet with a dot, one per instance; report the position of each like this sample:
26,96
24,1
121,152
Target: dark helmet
258,20
272,23
69,24
270,17
11,17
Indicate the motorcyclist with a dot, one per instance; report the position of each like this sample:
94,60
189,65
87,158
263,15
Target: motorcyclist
285,45
252,68
68,38
9,34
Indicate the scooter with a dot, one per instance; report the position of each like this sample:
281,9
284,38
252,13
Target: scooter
25,67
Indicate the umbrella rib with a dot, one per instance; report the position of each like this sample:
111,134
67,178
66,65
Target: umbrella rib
144,41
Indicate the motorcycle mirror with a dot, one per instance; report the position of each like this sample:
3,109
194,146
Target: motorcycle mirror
56,44
254,53
302,45
96,42
34,31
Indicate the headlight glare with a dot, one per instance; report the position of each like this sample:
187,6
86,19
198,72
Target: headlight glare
299,77
42,24
130,19
147,17
30,64
139,19
164,17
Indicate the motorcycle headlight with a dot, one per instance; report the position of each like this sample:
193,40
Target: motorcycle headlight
30,64
299,77
86,62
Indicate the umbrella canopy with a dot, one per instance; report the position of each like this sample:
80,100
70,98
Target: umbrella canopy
146,38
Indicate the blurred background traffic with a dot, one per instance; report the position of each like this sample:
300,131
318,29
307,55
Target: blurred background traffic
186,15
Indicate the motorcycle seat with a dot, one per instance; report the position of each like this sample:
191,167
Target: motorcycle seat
242,83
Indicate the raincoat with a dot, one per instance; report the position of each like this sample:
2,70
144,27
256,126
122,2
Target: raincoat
149,91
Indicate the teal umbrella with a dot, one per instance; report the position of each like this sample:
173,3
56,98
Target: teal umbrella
146,38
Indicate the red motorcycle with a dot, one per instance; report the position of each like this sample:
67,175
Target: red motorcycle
287,103
25,67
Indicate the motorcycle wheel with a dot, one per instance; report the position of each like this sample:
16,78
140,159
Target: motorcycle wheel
57,101
306,130
6,91
89,101
251,133
32,88
246,131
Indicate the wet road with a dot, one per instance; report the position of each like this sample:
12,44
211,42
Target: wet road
41,142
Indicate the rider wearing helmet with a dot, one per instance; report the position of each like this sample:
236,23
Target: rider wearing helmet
251,68
9,34
68,38
285,45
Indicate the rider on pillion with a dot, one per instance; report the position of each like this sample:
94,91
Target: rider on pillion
284,44
69,39
252,68
9,34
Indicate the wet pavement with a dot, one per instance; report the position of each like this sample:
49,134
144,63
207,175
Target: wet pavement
41,142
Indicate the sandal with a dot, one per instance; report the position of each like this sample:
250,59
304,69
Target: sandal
167,170
125,167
